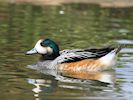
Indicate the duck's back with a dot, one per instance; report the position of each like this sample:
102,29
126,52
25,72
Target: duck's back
87,59
82,54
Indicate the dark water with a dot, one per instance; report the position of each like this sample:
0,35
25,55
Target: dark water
72,26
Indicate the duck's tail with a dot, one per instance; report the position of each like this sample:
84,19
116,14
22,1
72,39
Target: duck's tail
110,58
118,49
114,51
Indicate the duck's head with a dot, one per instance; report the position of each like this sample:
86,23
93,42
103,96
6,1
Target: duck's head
45,47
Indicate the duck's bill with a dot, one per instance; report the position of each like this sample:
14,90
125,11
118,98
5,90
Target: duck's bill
32,51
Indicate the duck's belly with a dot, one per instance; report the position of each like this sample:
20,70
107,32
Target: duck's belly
84,65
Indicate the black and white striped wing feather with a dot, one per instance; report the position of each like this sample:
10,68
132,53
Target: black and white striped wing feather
74,56
80,54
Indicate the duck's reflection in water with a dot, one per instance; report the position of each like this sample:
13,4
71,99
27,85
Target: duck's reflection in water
42,85
49,85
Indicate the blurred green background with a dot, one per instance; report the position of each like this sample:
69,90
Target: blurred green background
71,25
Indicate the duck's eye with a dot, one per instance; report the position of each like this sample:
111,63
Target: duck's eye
42,44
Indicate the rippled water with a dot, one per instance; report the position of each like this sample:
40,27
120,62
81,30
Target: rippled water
72,26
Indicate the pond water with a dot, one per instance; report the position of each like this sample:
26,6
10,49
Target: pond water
72,26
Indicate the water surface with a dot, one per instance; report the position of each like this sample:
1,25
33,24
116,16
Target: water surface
72,26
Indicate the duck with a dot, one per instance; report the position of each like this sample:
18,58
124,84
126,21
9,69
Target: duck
87,59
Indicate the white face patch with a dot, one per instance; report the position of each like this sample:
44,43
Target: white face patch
40,49
49,50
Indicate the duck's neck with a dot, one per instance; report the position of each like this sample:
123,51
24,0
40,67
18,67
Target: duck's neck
49,57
